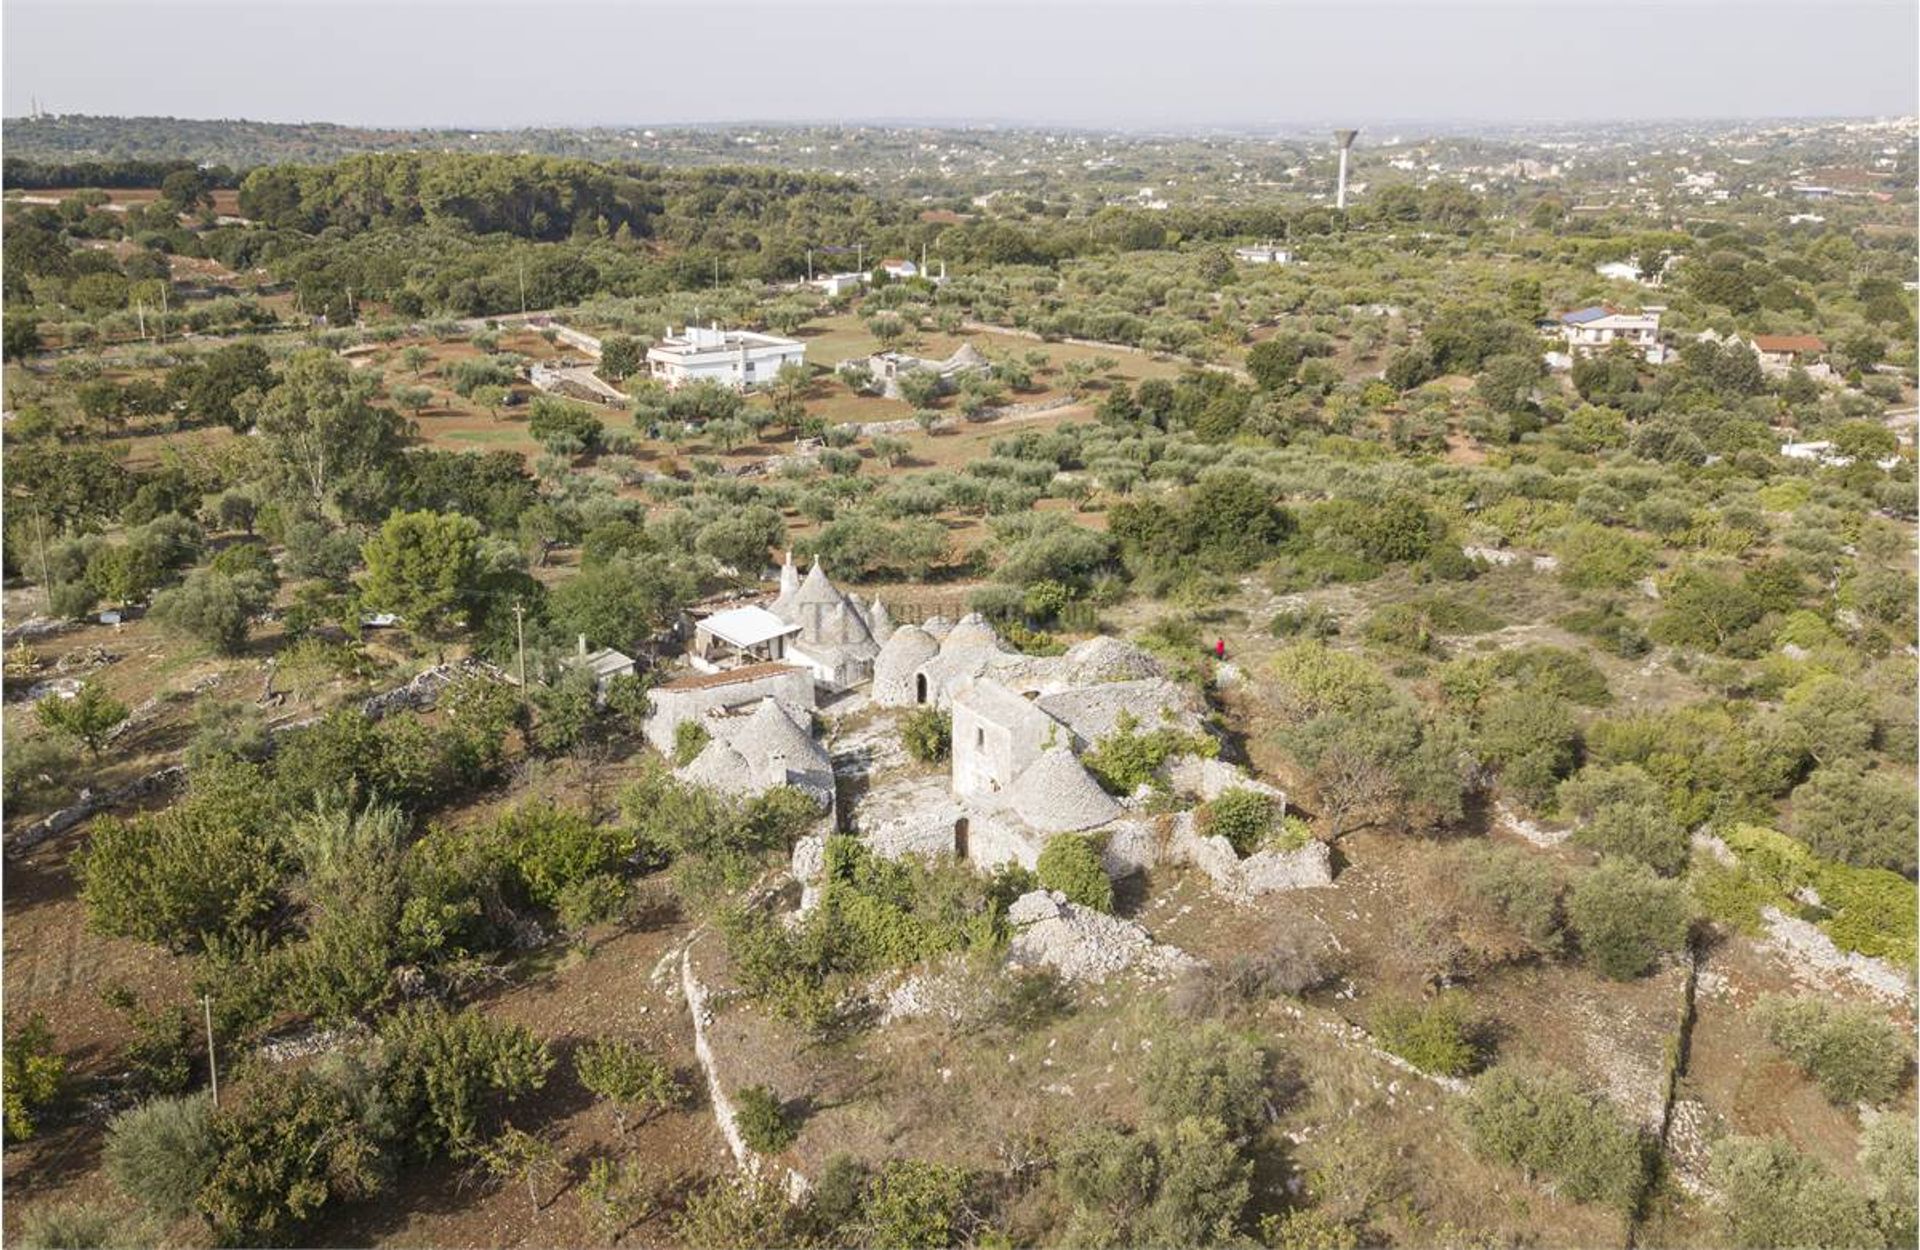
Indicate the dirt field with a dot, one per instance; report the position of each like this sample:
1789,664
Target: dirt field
226,201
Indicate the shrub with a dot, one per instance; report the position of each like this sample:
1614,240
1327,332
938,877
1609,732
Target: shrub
1890,1156
213,607
75,1226
1307,1229
1071,865
762,1120
555,848
1856,817
1776,1198
1310,621
732,1212
1207,1072
626,1075
1626,917
1105,1178
160,1154
927,734
1434,1036
30,1075
1873,911
614,1195
1519,888
1531,738
440,1068
1593,556
690,737
1127,759
210,864
283,1150
161,1055
87,718
914,1205
1245,818
1543,1124
1555,670
1204,1186
1853,1052
1646,832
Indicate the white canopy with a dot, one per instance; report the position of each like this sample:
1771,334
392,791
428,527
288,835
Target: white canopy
746,627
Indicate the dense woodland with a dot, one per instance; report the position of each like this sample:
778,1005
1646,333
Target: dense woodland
1370,438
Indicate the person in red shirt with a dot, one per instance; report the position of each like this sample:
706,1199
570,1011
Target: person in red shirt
1220,648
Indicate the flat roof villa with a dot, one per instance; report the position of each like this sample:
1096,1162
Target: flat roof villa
739,359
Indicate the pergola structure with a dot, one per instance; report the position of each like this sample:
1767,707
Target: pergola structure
737,636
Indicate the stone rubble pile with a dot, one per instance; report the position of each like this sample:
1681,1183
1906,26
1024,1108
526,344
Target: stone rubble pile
1084,945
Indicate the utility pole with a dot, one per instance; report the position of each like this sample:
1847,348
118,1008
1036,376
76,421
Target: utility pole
520,641
165,311
716,273
523,288
213,1060
140,311
860,257
809,264
46,570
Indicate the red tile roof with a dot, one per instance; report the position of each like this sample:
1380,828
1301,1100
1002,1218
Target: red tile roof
727,677
1788,343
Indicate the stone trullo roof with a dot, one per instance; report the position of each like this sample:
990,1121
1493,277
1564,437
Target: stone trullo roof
720,767
1056,794
901,657
771,732
817,589
753,752
1094,712
966,356
1106,658
879,621
972,631
782,606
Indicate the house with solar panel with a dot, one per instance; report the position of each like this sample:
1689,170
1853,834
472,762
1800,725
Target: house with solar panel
1589,331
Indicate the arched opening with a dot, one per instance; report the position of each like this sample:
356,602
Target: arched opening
919,687
960,838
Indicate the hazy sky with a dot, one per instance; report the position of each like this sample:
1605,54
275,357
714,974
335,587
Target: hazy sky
1140,63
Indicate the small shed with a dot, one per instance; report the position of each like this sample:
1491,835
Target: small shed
605,665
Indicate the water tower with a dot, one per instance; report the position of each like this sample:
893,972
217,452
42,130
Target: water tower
1345,139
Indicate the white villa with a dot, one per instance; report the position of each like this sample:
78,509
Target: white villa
740,359
1264,254
840,283
1592,330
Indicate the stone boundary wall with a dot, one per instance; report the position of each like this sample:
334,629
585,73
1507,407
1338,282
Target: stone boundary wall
724,1114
